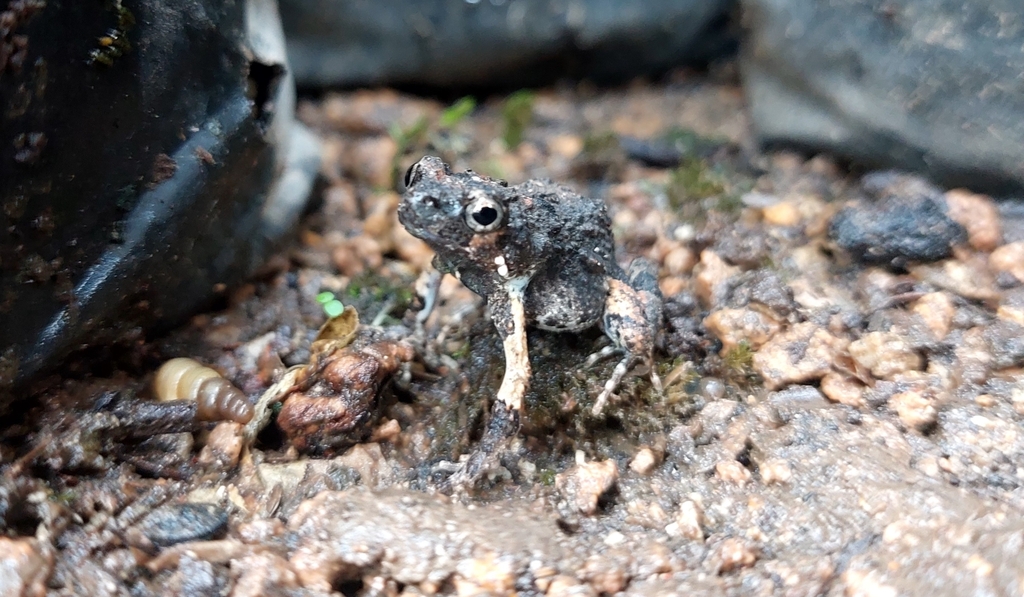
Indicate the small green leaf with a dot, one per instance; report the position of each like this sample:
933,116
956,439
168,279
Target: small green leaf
334,308
457,111
325,297
517,114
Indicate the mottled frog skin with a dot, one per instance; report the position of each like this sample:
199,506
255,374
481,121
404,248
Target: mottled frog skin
541,255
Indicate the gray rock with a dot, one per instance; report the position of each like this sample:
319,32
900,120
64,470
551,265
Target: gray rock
137,175
932,86
906,222
497,42
178,523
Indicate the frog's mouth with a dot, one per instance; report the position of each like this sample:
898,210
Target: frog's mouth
416,225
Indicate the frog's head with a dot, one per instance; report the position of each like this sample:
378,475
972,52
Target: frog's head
461,216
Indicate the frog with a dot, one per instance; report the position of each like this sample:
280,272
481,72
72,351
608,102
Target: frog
540,255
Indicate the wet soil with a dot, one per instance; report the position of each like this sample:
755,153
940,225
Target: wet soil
843,411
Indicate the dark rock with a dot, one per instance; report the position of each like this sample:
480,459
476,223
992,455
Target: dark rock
670,150
906,222
761,286
926,85
743,246
178,523
1006,340
140,171
685,334
503,43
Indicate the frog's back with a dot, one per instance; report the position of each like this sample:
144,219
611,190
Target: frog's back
568,291
578,226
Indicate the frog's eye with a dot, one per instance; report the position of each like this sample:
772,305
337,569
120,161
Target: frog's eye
409,175
484,214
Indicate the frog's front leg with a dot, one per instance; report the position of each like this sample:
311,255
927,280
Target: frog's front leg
632,312
509,316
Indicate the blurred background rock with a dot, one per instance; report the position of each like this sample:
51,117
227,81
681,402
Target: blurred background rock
148,158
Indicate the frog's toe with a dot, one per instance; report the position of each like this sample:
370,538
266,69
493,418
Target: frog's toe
601,355
613,383
656,380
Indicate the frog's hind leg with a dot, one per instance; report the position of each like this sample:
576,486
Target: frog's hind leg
632,310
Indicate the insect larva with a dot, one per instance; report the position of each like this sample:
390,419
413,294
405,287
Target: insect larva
216,398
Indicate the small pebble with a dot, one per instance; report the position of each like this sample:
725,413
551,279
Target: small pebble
732,471
710,282
567,586
915,409
734,553
712,389
804,352
24,567
775,472
178,523
937,311
979,215
736,326
1010,259
679,261
689,521
584,484
223,446
644,461
885,354
566,146
843,389
929,465
604,574
985,400
485,575
783,213
861,583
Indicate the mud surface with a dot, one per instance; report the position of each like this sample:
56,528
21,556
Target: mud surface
835,421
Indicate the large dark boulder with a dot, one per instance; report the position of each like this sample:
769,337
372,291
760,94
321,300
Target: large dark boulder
932,86
143,147
497,42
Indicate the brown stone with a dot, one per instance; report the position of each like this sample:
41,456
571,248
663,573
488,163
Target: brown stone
733,326
979,215
804,352
885,354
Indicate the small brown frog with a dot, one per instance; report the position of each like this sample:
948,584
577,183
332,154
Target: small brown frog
540,255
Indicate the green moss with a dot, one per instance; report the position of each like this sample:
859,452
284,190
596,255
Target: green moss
369,289
696,186
600,142
692,181
461,352
739,364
